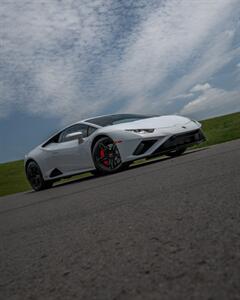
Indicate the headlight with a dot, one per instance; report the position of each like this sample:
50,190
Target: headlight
141,131
196,122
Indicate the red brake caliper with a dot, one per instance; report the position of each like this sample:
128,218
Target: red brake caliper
102,154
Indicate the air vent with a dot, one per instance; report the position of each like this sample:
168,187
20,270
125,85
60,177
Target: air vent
55,173
183,139
144,146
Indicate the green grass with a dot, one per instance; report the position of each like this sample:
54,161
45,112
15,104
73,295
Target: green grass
221,129
12,178
217,130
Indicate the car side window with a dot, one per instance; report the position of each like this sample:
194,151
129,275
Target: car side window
75,128
91,130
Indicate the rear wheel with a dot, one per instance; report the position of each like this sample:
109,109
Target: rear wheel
106,156
176,152
35,178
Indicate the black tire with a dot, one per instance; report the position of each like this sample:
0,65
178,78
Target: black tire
106,157
126,165
96,173
35,178
176,152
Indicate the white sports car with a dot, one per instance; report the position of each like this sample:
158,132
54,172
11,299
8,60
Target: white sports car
107,144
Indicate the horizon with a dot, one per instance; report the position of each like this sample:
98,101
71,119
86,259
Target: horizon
54,132
63,62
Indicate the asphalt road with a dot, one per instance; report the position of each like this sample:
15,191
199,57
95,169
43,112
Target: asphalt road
166,230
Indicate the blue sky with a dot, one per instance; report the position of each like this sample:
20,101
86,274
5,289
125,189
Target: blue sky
61,61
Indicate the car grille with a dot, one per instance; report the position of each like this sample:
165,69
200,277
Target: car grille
183,139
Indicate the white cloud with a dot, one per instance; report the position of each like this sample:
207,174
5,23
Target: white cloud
212,101
181,96
217,54
201,87
167,44
7,97
47,50
71,59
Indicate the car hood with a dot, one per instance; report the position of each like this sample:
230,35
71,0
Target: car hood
155,122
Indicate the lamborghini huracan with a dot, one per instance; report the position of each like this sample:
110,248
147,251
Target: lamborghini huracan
107,144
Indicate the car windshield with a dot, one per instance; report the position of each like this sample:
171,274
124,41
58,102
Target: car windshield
116,119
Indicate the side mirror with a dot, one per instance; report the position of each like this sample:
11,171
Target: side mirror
75,136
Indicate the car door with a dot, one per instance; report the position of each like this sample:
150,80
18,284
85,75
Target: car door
70,155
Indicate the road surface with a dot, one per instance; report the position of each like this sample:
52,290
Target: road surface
164,230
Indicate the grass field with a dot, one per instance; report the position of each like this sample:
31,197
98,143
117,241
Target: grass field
217,130
12,178
221,129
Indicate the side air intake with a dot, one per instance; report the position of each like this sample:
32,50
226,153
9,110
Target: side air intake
144,146
55,173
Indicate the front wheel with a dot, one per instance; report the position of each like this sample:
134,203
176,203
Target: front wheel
35,178
106,156
176,152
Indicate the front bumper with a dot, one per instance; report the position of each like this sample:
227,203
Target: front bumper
160,145
181,140
136,146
